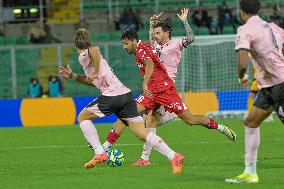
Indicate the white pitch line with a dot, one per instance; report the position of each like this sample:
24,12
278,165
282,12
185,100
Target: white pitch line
126,144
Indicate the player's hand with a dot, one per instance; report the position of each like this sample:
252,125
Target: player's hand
245,80
90,78
65,72
155,18
147,92
184,13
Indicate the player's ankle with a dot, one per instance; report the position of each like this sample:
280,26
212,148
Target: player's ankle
212,124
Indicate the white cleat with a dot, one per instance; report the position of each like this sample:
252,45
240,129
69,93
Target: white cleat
229,133
243,178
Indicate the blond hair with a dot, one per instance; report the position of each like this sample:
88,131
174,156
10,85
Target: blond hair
82,39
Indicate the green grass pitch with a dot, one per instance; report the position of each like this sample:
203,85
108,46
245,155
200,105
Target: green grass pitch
53,157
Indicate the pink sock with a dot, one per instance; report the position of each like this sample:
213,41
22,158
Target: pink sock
147,148
160,145
91,135
252,140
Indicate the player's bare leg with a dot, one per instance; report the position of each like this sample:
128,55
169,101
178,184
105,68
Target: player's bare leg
191,120
158,144
90,133
151,119
252,140
118,129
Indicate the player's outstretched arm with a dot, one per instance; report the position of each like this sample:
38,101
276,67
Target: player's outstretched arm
67,73
153,20
189,34
243,60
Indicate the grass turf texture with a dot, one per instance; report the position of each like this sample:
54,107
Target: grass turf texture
53,157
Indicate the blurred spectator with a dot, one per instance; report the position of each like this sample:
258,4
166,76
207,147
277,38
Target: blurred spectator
54,87
37,35
2,30
128,20
49,37
235,22
224,16
35,88
139,23
2,34
201,18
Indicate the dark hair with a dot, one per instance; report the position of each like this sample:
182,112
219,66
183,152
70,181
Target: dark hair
82,39
250,6
33,79
165,24
129,34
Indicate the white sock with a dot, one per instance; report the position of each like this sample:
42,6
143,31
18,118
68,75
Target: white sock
166,118
91,135
251,168
221,127
107,145
160,145
147,148
252,141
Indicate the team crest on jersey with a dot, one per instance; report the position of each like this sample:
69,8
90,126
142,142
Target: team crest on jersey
238,40
140,65
159,52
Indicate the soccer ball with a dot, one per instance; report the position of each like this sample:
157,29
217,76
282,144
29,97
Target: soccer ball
115,158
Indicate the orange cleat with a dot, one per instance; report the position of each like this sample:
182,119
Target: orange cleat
141,162
96,160
176,163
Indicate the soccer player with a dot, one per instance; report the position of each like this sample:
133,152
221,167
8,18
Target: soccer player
170,53
115,98
169,50
158,87
265,42
253,91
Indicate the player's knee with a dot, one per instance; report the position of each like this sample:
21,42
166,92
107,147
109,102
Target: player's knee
250,123
152,124
81,117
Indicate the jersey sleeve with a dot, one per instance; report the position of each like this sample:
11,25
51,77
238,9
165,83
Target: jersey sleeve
181,43
243,39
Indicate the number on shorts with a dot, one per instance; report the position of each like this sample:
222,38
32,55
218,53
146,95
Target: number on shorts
140,98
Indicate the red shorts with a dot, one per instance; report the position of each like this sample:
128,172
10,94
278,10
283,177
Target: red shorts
170,99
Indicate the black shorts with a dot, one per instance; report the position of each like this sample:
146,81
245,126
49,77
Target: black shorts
271,97
123,106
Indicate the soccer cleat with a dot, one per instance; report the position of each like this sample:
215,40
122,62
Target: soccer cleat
141,162
229,133
96,160
243,178
176,163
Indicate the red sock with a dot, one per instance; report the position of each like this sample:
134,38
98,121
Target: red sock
112,137
212,124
